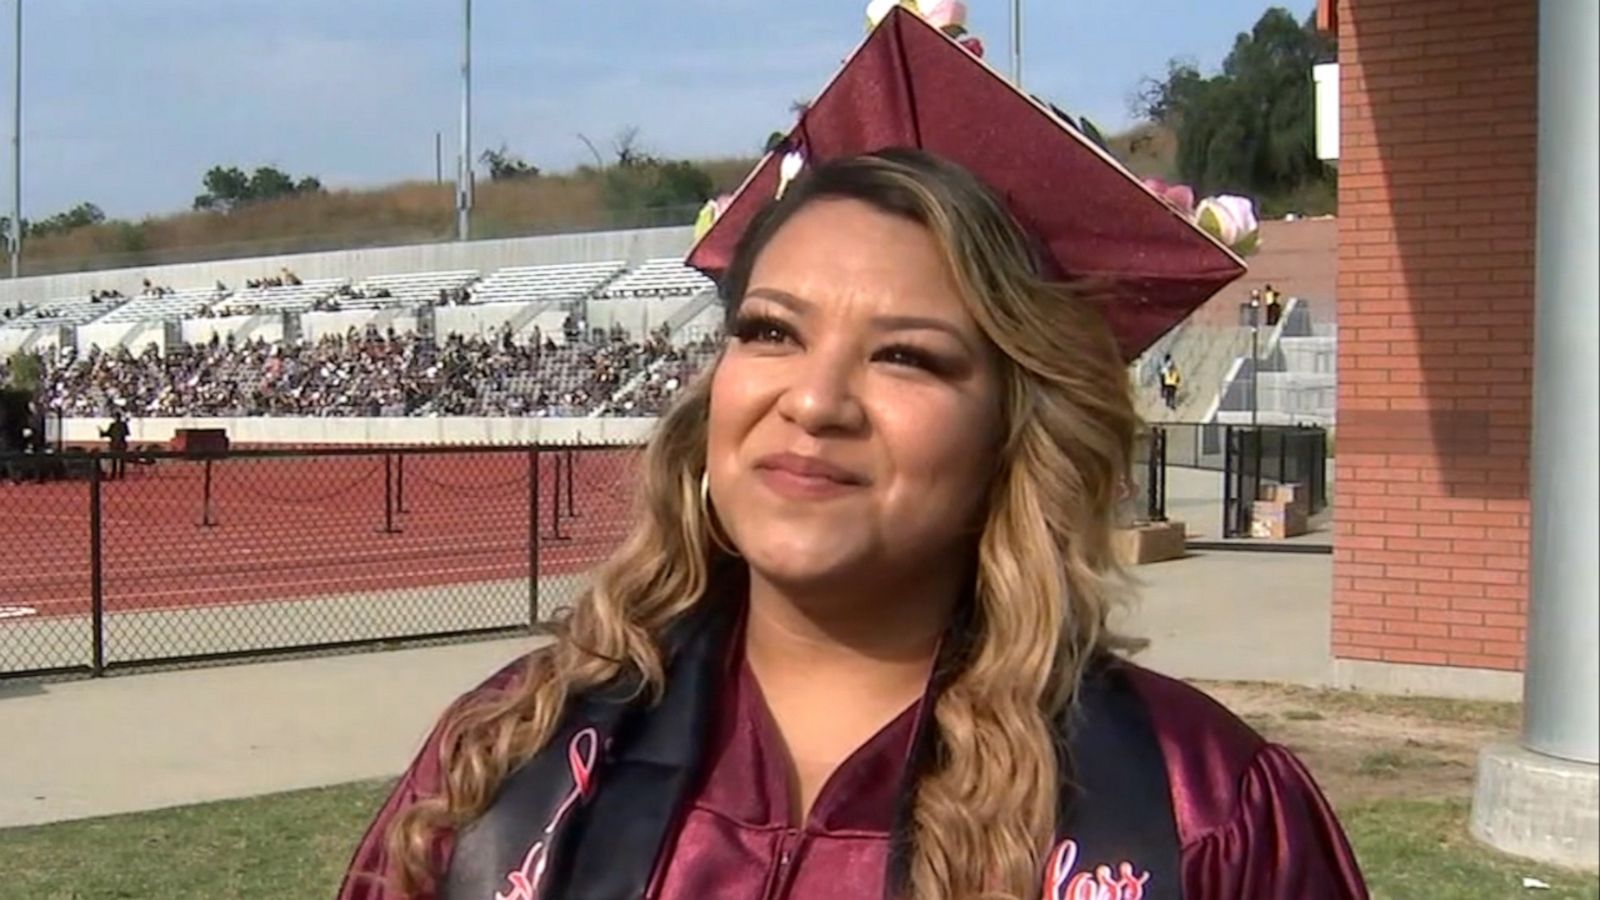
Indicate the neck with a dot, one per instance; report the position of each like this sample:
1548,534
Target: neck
881,638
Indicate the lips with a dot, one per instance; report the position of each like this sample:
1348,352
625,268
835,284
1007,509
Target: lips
810,468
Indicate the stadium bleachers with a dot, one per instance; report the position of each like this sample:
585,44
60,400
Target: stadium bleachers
286,298
523,284
65,312
544,340
409,289
162,307
659,278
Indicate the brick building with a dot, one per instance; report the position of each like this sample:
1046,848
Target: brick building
1436,299
1466,524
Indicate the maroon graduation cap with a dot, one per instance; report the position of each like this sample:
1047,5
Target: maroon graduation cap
908,85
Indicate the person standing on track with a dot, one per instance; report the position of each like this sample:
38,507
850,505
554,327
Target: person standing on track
116,435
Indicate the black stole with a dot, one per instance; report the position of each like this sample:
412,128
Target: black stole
587,818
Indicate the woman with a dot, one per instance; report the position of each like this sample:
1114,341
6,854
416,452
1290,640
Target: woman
857,646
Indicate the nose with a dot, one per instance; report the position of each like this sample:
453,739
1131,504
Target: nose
821,396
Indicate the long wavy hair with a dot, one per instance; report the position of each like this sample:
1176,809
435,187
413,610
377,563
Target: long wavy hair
983,814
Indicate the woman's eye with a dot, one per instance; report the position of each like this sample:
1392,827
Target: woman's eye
909,356
760,330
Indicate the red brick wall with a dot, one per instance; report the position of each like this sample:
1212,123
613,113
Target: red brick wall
1435,301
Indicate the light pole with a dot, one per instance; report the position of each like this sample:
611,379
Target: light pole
1016,43
1255,355
464,166
16,156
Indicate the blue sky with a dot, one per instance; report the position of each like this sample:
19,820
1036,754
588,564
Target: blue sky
127,102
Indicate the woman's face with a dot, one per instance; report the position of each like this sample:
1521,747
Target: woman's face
856,412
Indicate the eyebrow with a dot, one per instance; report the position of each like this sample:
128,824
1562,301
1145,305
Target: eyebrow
801,306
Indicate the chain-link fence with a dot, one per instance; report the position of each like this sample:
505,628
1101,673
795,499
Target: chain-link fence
120,561
116,561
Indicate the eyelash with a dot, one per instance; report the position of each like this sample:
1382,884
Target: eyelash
760,329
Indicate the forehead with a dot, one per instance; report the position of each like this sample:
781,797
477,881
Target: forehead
847,252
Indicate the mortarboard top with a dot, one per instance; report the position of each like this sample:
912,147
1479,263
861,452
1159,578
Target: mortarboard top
908,85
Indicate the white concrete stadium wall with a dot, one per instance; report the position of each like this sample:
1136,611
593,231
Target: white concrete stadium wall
380,432
133,335
316,325
637,315
267,326
632,246
487,319
43,340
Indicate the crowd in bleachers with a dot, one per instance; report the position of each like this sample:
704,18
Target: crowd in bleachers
380,374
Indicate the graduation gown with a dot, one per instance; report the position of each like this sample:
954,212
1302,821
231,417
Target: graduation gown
1165,795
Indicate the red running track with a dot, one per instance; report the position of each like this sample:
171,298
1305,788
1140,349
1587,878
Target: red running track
301,527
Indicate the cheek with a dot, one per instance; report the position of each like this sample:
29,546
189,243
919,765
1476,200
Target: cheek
733,409
941,453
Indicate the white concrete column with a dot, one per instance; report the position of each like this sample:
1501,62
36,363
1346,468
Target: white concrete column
1562,687
1542,799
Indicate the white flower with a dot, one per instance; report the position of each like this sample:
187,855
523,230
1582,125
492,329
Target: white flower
789,170
877,9
1230,219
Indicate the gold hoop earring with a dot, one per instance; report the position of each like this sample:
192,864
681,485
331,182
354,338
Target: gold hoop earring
722,543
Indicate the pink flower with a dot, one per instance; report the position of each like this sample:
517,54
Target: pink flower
943,13
973,45
1180,196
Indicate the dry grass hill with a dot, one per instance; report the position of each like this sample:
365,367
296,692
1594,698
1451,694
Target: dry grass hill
415,212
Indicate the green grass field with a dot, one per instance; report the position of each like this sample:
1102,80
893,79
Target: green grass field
1399,771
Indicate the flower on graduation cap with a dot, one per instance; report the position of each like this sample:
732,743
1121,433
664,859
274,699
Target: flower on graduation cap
1178,196
949,16
944,14
709,214
1231,220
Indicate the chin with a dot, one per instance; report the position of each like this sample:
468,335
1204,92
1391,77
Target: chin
813,562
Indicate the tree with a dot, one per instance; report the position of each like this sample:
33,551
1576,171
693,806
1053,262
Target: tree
228,188
670,191
504,165
26,371
1250,129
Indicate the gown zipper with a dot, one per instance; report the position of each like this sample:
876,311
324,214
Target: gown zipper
783,871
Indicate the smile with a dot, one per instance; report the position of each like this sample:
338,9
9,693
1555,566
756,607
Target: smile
806,478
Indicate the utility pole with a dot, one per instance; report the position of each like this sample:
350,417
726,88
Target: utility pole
1016,43
1255,355
464,165
16,156
438,157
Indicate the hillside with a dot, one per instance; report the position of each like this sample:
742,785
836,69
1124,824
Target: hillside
416,212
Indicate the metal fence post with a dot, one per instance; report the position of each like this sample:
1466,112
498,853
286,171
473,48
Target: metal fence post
388,495
572,512
205,498
400,482
97,598
533,537
555,505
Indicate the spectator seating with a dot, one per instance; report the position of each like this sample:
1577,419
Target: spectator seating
290,298
410,289
668,277
66,312
522,284
162,307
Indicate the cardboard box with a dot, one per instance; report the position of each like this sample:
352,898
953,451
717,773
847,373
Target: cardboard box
1276,520
1154,542
1297,495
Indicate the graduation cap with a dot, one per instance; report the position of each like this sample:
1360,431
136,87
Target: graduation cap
909,85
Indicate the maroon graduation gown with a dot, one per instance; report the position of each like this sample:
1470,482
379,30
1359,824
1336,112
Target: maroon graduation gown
1178,799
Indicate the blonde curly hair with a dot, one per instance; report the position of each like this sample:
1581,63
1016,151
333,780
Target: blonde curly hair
983,815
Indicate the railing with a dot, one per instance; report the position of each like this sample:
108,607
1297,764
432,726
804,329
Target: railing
114,562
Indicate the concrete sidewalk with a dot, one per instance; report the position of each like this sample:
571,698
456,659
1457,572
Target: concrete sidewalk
88,748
